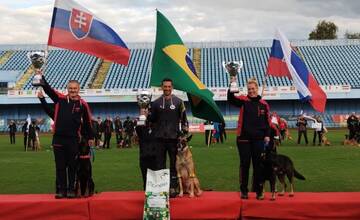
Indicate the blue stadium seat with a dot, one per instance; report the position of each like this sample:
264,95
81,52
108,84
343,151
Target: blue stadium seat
135,75
330,65
67,65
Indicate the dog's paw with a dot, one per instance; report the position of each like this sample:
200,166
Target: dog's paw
191,195
199,193
291,194
180,194
272,199
281,193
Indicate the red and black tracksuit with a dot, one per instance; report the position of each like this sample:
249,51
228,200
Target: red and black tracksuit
69,116
253,127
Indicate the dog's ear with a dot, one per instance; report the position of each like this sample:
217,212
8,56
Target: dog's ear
188,139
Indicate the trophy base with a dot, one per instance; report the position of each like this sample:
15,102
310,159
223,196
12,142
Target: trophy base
142,120
234,87
234,90
37,81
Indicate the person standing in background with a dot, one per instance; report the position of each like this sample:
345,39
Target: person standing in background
108,128
318,131
352,124
25,130
301,124
32,135
96,129
129,131
12,131
100,131
222,132
118,131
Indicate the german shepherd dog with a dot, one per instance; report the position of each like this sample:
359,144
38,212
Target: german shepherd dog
84,183
325,141
276,165
351,142
188,182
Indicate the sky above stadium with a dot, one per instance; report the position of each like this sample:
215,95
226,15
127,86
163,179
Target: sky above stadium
28,21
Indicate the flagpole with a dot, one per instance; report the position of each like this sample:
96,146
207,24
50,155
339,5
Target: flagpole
209,136
47,55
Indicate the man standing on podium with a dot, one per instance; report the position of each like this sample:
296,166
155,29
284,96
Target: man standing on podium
71,111
168,116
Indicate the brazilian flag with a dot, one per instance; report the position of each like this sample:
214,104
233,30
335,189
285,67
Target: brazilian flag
170,60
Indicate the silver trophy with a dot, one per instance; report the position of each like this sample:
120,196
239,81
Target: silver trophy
233,69
38,60
143,100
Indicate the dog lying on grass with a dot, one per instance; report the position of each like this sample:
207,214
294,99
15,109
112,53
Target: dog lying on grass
188,182
351,142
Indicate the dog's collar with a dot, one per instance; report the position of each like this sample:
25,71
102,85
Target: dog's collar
84,156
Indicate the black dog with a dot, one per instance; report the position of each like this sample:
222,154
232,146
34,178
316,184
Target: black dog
266,172
84,183
276,165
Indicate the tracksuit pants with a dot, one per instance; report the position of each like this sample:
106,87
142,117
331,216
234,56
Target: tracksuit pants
66,152
25,140
168,146
300,133
249,151
107,137
12,138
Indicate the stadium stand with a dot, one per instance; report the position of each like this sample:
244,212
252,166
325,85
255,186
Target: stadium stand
135,75
333,62
18,61
66,65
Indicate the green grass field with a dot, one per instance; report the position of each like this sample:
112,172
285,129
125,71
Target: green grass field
334,168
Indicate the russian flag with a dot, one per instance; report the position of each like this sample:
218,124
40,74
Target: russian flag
75,28
284,61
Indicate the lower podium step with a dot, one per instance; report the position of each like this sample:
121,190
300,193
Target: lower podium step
211,205
42,206
129,205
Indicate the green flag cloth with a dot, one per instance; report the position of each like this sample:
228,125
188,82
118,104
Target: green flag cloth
170,60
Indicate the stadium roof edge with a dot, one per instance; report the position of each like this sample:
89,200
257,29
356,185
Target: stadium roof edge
209,44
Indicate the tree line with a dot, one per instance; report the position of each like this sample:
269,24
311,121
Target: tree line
327,30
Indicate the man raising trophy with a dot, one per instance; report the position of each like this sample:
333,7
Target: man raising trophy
233,68
37,59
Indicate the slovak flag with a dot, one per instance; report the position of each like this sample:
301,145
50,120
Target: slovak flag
284,61
75,28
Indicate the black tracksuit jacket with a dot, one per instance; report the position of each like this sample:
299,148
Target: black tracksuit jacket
69,115
254,118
